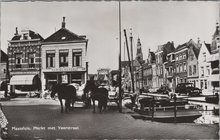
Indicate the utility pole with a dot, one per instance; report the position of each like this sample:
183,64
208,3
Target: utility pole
120,95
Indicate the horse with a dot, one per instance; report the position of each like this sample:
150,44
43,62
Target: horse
95,93
66,92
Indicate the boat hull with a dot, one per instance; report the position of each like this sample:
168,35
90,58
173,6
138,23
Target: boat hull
182,116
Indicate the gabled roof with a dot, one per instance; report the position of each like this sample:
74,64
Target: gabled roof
168,47
4,57
185,45
208,46
32,35
64,35
196,51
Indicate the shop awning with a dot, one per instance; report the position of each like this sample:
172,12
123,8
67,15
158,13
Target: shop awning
22,80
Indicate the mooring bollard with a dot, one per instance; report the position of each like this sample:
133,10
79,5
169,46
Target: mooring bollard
174,108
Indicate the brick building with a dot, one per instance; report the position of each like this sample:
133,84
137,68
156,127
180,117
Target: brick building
24,55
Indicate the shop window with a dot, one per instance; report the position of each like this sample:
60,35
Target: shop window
77,57
31,60
18,59
50,58
64,79
63,57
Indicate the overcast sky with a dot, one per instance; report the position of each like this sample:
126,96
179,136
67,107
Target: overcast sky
155,23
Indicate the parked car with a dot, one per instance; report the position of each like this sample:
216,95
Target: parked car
188,88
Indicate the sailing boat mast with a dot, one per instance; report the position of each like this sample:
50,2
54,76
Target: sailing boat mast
132,77
132,62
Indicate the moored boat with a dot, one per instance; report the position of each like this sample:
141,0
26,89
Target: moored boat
162,109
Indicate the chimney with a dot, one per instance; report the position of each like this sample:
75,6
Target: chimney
63,23
198,40
16,31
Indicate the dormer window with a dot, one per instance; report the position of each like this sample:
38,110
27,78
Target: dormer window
25,36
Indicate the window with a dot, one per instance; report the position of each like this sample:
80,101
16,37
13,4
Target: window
181,68
77,57
18,57
4,71
204,56
208,70
184,56
190,70
31,60
50,58
177,58
202,71
201,84
177,68
184,67
63,57
194,69
205,84
180,57
25,36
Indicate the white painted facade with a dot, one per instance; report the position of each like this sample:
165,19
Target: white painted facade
70,46
204,70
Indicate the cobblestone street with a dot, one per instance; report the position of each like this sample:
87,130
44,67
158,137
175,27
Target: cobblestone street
31,118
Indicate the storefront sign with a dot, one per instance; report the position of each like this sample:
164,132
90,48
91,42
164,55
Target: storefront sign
24,72
64,69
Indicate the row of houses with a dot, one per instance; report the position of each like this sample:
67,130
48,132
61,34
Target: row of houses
35,63
193,62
